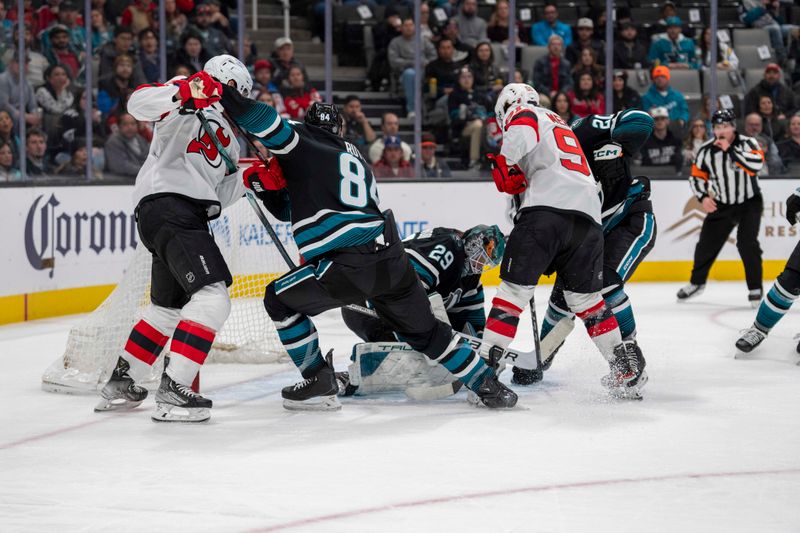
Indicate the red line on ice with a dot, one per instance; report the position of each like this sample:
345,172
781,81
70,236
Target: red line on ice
505,492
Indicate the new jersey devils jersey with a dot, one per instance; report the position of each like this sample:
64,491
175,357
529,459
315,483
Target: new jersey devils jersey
183,160
547,151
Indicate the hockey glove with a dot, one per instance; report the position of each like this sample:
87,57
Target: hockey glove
510,180
261,177
792,208
199,91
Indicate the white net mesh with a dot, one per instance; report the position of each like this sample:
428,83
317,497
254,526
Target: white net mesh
248,336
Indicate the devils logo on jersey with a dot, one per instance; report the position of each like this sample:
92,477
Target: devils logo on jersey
205,146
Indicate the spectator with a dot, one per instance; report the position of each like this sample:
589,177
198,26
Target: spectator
519,77
774,122
471,27
73,126
401,60
674,49
704,113
214,40
283,60
31,18
772,85
765,14
483,68
126,150
663,148
542,30
36,150
70,18
697,137
61,53
551,73
122,44
37,63
497,28
218,18
661,94
177,24
754,127
298,94
75,166
789,148
10,96
624,96
101,30
262,78
54,97
114,91
149,67
192,54
275,100
47,13
7,134
560,104
390,127
432,167
468,109
357,129
182,70
587,98
463,51
6,30
629,52
392,164
726,57
586,39
429,32
588,65
444,69
8,172
382,34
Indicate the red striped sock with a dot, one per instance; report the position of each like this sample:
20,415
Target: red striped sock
145,343
503,320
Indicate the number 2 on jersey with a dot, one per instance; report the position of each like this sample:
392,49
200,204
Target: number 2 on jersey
353,188
568,143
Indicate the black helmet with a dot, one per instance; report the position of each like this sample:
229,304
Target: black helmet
484,246
325,116
723,115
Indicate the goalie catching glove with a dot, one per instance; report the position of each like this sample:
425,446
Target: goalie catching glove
198,91
262,177
510,180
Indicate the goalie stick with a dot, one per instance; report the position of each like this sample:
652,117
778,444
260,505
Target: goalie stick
527,360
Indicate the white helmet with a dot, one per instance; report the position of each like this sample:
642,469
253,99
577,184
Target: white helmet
225,68
512,95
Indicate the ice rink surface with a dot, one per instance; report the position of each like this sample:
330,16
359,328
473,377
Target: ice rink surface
714,446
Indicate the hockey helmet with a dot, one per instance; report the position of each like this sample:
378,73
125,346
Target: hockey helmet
225,68
325,116
484,246
721,116
512,95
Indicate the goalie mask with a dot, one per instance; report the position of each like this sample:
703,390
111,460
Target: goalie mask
226,68
512,95
484,246
325,116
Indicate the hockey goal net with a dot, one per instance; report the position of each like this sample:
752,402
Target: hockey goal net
248,335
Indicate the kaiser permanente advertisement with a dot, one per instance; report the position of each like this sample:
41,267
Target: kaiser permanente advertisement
57,238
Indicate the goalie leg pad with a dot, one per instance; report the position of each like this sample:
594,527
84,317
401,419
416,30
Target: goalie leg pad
382,367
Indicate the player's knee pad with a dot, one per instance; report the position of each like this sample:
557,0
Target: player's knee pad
209,306
164,319
581,302
789,280
276,309
518,295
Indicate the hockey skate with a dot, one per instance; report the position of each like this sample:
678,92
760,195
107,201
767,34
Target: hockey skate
179,403
121,392
345,387
754,297
523,376
493,394
690,291
750,340
627,376
317,393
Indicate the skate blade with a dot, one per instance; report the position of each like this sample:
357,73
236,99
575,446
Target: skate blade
173,413
623,392
740,354
320,403
117,404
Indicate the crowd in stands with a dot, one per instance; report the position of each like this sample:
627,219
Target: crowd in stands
463,70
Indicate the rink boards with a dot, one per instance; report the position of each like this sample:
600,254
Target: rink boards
66,247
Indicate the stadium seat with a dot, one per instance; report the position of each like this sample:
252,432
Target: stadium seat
753,76
750,37
749,57
728,82
530,54
686,82
500,52
639,84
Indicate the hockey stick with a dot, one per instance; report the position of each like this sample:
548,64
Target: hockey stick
537,346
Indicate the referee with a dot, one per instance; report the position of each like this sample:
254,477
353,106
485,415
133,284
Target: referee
725,180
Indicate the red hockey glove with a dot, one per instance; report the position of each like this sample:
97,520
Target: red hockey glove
510,180
260,178
199,91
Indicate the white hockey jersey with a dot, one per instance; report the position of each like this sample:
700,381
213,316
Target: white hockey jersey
549,154
182,160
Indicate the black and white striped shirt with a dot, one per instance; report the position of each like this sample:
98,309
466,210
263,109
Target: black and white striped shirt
729,177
